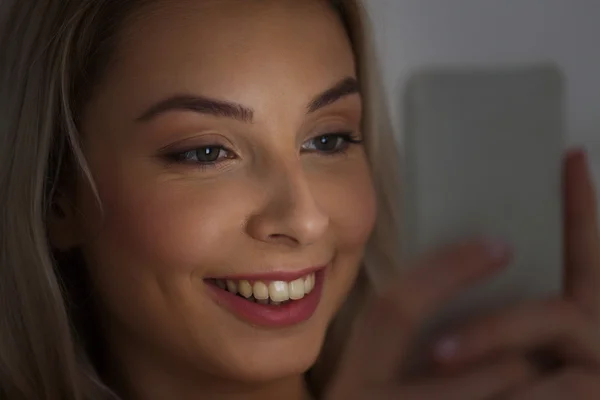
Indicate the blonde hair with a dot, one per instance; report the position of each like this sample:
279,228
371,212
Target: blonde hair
52,54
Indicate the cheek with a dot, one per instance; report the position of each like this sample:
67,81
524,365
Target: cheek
165,226
347,196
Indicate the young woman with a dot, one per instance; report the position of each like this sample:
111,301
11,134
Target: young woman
196,197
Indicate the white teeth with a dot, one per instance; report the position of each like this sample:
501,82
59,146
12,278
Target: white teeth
273,292
245,289
309,283
278,291
232,286
261,291
296,289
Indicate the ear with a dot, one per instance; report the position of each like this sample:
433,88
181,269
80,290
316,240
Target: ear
62,223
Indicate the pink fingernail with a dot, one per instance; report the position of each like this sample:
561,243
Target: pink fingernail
497,250
447,348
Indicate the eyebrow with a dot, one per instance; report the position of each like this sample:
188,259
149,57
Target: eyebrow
225,109
345,87
200,105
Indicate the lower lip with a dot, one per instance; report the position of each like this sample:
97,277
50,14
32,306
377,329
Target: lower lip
292,313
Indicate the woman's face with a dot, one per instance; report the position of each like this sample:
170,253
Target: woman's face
220,140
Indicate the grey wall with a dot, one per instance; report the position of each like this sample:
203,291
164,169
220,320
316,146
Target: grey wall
411,33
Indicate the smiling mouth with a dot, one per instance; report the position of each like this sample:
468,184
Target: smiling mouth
274,293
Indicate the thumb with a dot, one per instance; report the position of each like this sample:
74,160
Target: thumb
582,240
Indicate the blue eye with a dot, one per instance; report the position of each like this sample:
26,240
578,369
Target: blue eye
214,155
331,143
202,155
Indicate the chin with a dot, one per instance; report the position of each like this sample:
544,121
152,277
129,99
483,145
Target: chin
272,359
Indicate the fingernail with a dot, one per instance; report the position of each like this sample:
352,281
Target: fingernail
447,348
497,250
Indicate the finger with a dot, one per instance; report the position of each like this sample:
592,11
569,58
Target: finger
483,383
570,384
556,325
582,239
382,333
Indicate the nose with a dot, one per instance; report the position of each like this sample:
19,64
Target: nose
290,215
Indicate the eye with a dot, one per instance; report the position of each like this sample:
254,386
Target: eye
202,155
331,143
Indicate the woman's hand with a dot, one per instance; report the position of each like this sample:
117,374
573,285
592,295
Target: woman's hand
380,343
490,356
568,328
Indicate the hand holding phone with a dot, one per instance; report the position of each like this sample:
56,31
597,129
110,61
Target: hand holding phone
483,158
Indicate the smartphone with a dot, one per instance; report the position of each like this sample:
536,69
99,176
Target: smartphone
483,153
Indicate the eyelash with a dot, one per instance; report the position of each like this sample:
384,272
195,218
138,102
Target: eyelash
343,142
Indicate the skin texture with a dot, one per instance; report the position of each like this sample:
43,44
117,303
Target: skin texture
269,205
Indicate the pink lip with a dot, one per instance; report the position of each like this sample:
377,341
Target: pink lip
288,314
286,276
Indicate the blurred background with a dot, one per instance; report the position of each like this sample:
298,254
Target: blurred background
413,33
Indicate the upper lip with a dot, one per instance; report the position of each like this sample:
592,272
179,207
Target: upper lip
281,275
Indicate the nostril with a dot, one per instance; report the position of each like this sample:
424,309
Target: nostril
283,239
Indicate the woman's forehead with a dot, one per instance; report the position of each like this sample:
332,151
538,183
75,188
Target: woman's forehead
220,35
258,53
